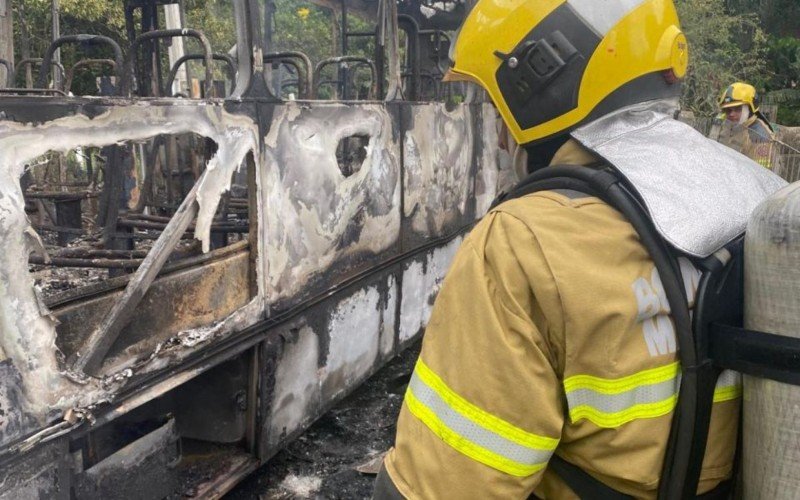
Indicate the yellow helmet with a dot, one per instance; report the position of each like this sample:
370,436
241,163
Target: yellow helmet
738,94
551,65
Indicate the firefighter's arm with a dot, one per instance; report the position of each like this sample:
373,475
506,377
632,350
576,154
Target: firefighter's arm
484,411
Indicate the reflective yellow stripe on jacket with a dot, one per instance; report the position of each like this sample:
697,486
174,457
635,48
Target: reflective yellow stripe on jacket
729,386
471,430
650,393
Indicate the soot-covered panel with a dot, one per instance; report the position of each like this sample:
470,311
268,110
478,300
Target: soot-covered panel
438,161
331,211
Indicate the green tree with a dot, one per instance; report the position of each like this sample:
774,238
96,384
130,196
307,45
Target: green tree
33,29
724,46
780,20
215,19
783,62
301,25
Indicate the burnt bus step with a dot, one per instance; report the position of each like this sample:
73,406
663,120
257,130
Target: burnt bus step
210,470
143,469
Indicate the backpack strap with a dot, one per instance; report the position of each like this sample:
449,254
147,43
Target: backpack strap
581,483
608,185
719,299
761,354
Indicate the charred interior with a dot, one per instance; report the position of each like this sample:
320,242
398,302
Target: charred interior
100,211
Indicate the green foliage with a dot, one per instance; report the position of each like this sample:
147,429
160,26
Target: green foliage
33,32
724,47
780,18
100,17
788,103
316,31
306,27
215,19
783,63
297,25
97,12
789,115
783,72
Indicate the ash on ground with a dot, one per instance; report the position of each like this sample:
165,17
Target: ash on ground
323,462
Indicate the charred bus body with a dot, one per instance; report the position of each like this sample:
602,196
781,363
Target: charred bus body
197,264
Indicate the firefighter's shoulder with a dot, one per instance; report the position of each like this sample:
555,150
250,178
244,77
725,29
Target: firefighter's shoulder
552,210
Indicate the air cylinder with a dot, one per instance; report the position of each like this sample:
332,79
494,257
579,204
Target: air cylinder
771,453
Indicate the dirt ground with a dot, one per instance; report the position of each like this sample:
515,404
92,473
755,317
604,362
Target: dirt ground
321,464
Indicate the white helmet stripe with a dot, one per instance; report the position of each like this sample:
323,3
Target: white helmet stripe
602,15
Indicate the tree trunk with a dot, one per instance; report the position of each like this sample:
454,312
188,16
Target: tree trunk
6,40
24,43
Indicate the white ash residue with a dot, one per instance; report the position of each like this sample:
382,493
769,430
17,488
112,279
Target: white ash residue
301,486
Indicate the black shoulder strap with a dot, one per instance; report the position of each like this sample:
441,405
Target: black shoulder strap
761,354
581,483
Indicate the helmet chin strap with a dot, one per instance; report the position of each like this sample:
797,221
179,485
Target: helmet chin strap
745,114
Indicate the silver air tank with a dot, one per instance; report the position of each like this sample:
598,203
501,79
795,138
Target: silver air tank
771,454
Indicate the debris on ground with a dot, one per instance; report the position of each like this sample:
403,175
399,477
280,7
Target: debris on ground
302,487
373,465
338,457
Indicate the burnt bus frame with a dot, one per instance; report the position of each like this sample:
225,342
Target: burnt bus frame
263,340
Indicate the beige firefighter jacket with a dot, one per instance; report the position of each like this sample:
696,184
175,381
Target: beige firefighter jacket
551,334
754,139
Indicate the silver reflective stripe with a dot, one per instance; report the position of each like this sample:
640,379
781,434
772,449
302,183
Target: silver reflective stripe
602,15
473,432
729,378
613,403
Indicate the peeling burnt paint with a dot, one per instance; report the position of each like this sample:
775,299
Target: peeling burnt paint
317,216
327,243
327,352
495,165
335,345
355,330
338,274
28,336
184,344
296,389
14,420
198,296
387,309
422,278
43,473
438,159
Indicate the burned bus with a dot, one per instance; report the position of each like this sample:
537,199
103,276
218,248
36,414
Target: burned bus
223,232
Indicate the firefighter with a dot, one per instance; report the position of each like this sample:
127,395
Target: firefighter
551,336
739,104
748,130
